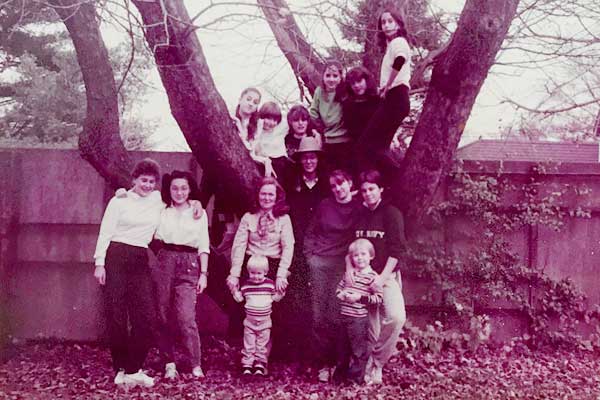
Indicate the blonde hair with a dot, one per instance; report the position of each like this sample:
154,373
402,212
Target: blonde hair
361,244
258,262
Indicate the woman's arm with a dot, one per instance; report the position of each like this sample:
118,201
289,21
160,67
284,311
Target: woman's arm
203,250
238,251
287,252
107,230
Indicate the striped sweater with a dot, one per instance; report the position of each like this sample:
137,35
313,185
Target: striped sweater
259,297
361,286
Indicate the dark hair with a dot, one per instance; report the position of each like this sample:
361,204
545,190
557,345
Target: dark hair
252,122
371,176
281,207
355,75
340,90
271,110
297,112
339,175
402,32
147,166
169,178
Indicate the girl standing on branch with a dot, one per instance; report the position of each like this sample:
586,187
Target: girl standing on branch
326,112
394,86
246,116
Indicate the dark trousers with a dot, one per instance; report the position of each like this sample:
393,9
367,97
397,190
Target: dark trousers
382,126
128,296
325,274
175,281
354,349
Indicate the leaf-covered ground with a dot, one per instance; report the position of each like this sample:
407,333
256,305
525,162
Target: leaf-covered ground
62,370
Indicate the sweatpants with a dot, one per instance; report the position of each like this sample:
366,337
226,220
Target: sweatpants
128,302
175,281
386,321
325,273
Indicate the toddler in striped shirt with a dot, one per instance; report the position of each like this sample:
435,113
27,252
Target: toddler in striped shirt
259,293
355,298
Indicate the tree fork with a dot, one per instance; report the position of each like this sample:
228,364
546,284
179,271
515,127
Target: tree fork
456,80
195,103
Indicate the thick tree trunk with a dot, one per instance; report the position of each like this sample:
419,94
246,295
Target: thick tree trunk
100,141
303,58
195,103
456,80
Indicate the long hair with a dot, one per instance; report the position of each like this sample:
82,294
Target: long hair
299,112
176,174
253,121
401,32
281,207
340,90
355,75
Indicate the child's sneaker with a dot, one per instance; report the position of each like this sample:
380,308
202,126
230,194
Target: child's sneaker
171,371
139,378
197,372
369,370
376,375
260,369
120,377
326,374
246,370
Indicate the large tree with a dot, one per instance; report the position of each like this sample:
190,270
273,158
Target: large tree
202,116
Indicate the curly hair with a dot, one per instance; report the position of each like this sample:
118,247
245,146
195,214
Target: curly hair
355,75
147,166
281,207
169,178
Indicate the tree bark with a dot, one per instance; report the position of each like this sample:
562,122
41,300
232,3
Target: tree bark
100,141
456,80
302,57
195,103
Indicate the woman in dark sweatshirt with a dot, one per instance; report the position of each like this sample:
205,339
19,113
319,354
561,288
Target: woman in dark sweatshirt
383,225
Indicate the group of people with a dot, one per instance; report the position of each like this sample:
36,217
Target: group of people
309,237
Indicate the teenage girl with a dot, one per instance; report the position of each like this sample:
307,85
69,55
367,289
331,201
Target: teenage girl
394,87
326,111
361,102
300,125
246,115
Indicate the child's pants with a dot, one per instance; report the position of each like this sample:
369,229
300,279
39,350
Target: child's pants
257,338
354,348
386,321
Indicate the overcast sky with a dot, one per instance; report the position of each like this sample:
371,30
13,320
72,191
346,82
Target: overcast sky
248,56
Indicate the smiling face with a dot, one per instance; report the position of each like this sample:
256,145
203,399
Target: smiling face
359,87
341,189
361,258
309,161
249,102
299,126
331,78
257,273
143,185
371,193
180,191
269,124
267,196
388,24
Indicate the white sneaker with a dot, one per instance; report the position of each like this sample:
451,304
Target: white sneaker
369,370
171,371
377,375
139,378
324,374
197,372
120,377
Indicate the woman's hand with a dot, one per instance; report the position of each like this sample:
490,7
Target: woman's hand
281,284
349,275
233,283
202,283
197,209
121,193
383,91
100,274
377,285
